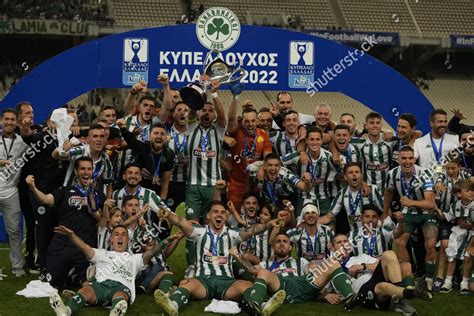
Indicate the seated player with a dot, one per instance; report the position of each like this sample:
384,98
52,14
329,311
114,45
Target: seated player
115,274
214,275
292,280
378,281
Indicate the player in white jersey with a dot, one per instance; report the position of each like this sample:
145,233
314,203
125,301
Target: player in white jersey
431,148
285,142
277,183
343,149
311,239
132,177
204,144
178,143
102,175
214,275
321,169
292,280
115,274
415,187
370,238
351,199
379,280
376,152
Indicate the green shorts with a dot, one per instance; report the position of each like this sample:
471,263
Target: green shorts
413,221
299,289
104,291
197,200
215,285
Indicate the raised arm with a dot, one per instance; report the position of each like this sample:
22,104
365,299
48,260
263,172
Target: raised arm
256,229
185,226
44,199
220,113
130,101
167,105
76,240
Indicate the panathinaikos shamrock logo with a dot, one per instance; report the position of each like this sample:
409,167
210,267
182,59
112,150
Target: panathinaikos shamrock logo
218,28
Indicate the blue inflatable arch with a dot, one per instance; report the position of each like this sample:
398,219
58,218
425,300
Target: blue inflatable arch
275,59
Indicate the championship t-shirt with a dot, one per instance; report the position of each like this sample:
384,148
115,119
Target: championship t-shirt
121,267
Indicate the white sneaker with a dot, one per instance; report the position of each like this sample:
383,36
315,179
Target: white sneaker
58,305
273,303
19,272
464,288
164,301
190,272
447,287
120,309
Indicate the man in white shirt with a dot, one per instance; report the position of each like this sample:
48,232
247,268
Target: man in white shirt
114,280
12,160
431,148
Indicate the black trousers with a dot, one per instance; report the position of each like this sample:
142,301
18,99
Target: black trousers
176,194
29,215
61,258
45,221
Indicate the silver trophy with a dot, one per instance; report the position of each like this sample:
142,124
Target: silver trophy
194,94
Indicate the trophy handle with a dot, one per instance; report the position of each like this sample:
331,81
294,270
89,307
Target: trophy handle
208,60
242,71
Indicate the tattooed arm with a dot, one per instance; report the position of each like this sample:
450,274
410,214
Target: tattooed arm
250,268
256,229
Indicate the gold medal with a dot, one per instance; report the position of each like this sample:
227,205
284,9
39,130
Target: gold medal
204,156
438,168
156,180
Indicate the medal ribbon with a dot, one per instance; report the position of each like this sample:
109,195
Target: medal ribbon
248,153
370,248
89,194
214,243
314,246
353,205
272,191
7,152
407,188
157,169
438,153
179,146
204,142
276,264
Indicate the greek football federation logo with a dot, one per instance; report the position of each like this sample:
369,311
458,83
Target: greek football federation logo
301,64
135,61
